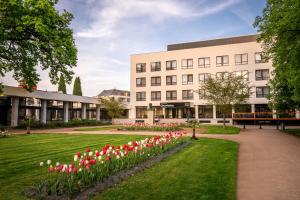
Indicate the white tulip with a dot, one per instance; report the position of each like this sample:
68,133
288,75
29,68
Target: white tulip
48,162
41,164
90,153
75,158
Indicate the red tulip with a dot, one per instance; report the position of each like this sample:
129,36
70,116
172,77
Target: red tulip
51,168
88,149
78,154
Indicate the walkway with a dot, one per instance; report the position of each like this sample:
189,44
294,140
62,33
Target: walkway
269,164
268,167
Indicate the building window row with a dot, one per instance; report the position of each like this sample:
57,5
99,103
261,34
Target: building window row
204,62
187,79
261,92
170,95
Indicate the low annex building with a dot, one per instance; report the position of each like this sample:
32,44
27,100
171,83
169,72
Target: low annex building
45,106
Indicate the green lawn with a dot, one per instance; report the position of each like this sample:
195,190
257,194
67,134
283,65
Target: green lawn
295,131
20,156
205,170
104,128
218,129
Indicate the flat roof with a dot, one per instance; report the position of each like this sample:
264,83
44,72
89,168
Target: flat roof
214,42
40,94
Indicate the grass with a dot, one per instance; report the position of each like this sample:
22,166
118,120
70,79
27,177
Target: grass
205,170
20,156
217,129
294,131
104,128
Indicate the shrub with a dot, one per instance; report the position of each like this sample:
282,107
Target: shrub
60,124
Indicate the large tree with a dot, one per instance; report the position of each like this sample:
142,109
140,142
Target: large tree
225,91
113,107
279,28
77,87
34,34
62,85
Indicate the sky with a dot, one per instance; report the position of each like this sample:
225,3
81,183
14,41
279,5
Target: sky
107,32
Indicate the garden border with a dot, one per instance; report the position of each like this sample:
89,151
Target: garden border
124,174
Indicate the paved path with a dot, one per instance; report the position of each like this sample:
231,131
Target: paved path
268,167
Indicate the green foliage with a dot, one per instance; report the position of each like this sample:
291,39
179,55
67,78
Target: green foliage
1,89
21,154
114,108
226,91
59,124
77,87
34,33
62,85
279,28
207,169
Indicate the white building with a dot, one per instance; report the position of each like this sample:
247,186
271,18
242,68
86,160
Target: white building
165,80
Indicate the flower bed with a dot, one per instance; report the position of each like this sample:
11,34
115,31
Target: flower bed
92,167
154,127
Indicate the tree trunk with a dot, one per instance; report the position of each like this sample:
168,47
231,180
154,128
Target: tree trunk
28,126
224,123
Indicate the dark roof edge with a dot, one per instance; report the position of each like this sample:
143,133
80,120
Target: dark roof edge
214,42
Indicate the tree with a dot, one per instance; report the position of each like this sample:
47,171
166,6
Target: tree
279,28
225,91
77,87
114,108
62,85
34,34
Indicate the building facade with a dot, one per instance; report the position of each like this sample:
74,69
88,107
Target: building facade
123,96
16,104
167,80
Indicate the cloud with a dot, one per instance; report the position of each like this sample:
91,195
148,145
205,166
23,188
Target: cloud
108,31
114,12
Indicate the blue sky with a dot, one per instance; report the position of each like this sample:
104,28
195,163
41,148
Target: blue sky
107,32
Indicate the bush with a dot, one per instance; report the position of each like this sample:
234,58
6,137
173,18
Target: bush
60,124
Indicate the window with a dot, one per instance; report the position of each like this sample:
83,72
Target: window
222,60
171,95
187,95
141,96
171,80
262,92
203,77
187,63
222,75
171,65
243,73
187,79
155,81
259,58
155,66
140,67
155,95
204,62
205,111
241,59
262,74
141,82
141,112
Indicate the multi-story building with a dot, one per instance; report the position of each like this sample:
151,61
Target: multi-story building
166,80
122,96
